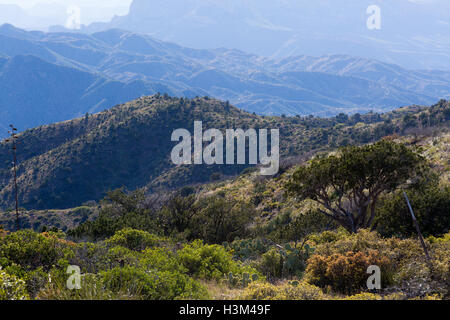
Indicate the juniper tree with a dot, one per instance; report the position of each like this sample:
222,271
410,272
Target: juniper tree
349,184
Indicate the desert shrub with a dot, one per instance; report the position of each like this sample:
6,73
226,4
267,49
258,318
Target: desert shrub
429,297
161,259
374,296
328,236
247,249
32,250
285,291
301,291
134,239
92,288
91,257
444,239
152,284
120,209
431,206
218,220
415,278
207,261
409,271
346,273
107,224
285,261
260,291
120,256
35,280
287,227
271,264
342,242
11,287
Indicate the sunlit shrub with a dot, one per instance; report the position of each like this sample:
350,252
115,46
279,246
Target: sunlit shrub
209,261
92,288
134,239
329,236
346,273
285,291
373,296
120,256
408,270
153,284
11,287
32,250
161,259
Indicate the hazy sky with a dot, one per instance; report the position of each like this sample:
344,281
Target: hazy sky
40,14
87,3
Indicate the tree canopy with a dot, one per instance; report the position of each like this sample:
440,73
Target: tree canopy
348,185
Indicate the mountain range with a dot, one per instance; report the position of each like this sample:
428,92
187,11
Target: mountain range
414,34
52,77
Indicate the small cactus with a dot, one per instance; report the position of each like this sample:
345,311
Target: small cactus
232,280
245,279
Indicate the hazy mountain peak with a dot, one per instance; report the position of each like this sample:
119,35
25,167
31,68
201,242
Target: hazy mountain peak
300,27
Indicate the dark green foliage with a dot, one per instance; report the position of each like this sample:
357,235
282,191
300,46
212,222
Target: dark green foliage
248,249
349,184
286,227
119,210
176,216
282,262
221,220
134,239
431,207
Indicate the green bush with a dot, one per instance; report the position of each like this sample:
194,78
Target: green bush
11,287
271,264
161,259
219,220
210,262
32,250
153,284
248,249
134,239
431,207
206,261
284,262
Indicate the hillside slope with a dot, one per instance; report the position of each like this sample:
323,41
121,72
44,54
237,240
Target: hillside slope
68,163
34,92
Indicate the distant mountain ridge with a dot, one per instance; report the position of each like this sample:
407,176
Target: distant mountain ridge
51,77
413,34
